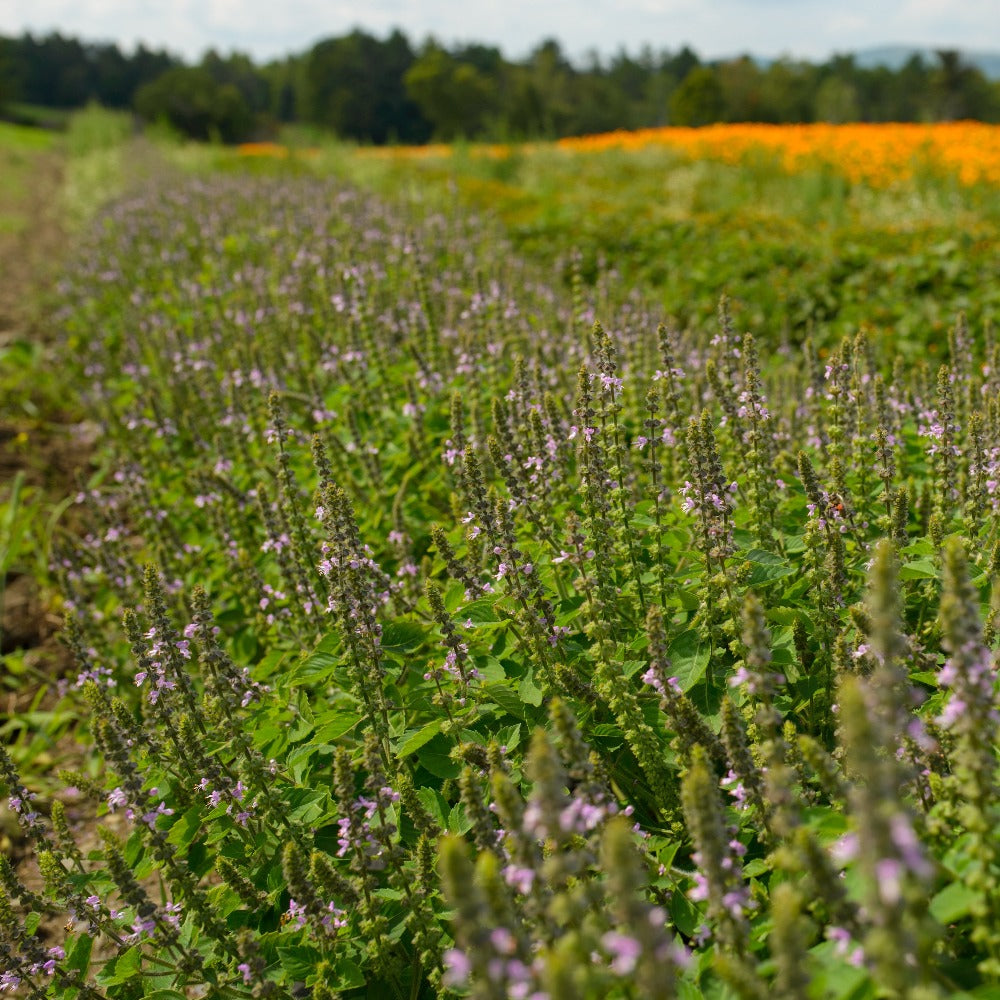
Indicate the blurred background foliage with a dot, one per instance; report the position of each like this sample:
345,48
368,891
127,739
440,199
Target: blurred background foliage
371,90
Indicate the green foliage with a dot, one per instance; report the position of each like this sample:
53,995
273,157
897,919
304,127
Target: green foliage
699,100
191,101
368,89
355,86
455,97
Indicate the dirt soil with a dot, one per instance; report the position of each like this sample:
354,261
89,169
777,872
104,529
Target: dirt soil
45,446
50,446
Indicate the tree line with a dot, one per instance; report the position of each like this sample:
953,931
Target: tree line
374,90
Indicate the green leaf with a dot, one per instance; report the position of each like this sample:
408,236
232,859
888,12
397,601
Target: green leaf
299,961
332,727
458,821
347,975
529,692
490,669
839,979
767,567
606,729
270,664
954,902
435,757
309,808
435,803
507,699
122,968
689,655
326,655
826,823
402,637
187,827
919,569
416,738
300,729
685,915
510,737
480,612
78,955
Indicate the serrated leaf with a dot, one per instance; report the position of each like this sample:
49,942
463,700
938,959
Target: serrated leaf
270,664
458,821
607,729
78,955
416,738
689,656
684,914
402,637
435,756
326,655
766,567
435,803
510,737
507,698
330,728
121,969
299,961
187,828
347,975
919,569
490,669
529,692
479,612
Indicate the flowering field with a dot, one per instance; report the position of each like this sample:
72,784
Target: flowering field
882,154
877,154
446,628
813,230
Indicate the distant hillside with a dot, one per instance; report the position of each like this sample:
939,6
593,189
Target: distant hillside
895,56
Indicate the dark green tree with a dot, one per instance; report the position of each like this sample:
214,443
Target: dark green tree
455,97
699,100
354,86
191,101
959,90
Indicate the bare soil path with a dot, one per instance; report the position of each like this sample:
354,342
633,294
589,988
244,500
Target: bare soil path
40,434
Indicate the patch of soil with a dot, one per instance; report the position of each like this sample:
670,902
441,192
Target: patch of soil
48,447
31,257
51,449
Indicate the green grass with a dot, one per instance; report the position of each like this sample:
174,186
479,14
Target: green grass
20,138
20,148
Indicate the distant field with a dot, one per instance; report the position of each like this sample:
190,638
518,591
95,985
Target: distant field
810,228
38,115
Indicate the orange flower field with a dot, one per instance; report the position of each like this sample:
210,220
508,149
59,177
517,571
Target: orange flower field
879,154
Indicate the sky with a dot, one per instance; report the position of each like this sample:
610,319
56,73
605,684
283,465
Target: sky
807,29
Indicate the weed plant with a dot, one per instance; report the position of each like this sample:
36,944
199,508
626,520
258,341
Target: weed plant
446,632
